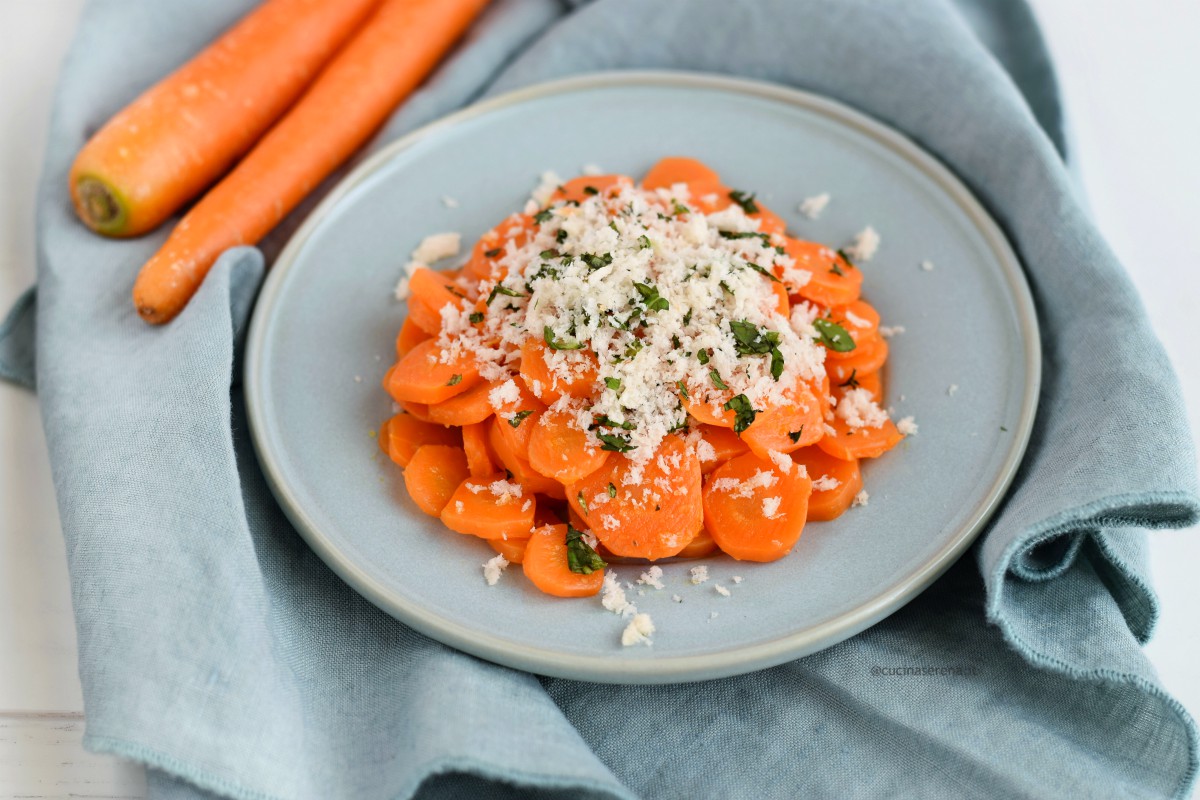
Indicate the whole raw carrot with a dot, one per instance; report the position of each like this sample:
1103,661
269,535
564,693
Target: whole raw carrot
184,132
385,61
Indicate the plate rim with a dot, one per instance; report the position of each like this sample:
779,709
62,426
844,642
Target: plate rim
669,669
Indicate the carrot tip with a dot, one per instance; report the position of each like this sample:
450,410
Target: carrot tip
99,206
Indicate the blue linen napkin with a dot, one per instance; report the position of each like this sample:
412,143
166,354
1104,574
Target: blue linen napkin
219,651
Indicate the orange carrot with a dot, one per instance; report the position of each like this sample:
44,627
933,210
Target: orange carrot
428,292
405,433
513,550
423,377
388,58
184,132
871,381
834,282
699,547
754,510
490,507
433,474
829,503
579,189
480,459
518,465
545,564
561,451
725,444
866,357
653,517
846,442
471,406
409,337
786,426
860,320
669,171
549,386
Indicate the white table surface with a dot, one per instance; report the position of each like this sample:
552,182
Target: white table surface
1128,70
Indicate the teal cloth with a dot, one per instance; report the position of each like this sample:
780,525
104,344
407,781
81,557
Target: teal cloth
218,650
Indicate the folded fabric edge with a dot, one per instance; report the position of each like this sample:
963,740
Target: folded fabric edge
176,768
19,323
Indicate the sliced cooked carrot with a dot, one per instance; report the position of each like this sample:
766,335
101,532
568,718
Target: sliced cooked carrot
469,407
545,564
560,450
651,517
725,444
769,221
782,301
433,474
491,507
583,187
405,433
871,381
834,282
707,406
845,442
860,320
428,292
411,335
517,420
480,459
518,465
699,178
786,426
754,510
382,438
699,547
867,357
549,512
829,503
423,377
418,410
513,550
549,386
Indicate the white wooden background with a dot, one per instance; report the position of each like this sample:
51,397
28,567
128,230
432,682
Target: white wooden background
1129,71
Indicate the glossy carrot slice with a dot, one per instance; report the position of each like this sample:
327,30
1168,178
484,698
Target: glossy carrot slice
829,502
518,465
651,517
423,376
404,433
411,335
826,287
700,179
871,381
433,474
545,564
699,547
480,459
860,320
560,450
513,550
754,510
787,426
428,292
585,186
867,357
725,445
846,443
469,407
491,507
548,386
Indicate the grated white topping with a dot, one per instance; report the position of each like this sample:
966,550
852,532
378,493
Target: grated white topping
493,568
826,483
721,590
638,631
612,596
652,577
813,206
449,202
860,410
888,331
927,266
907,426
861,498
770,507
435,247
864,246
699,574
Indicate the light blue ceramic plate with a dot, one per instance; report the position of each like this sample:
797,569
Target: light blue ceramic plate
324,330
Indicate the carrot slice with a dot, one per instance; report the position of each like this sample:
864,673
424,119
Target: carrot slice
651,517
867,357
699,547
700,179
860,320
518,465
181,134
829,503
480,459
548,386
490,507
381,65
467,408
754,510
545,564
519,418
788,426
707,407
418,410
422,376
834,282
433,474
404,433
846,442
871,381
428,292
583,187
782,301
411,335
513,550
560,450
725,445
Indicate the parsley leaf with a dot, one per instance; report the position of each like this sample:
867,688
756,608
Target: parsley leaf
651,298
795,435
750,340
504,290
596,262
680,208
766,238
494,252
590,190
519,417
844,257
581,558
561,236
559,344
761,270
833,336
613,383
455,380
644,242
605,421
852,381
682,389
746,201
582,503
614,442
476,318
745,413
716,379
702,356
612,490
543,216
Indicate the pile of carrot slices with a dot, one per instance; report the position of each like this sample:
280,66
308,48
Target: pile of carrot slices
553,496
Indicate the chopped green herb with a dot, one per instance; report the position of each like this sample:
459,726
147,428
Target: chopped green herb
833,336
519,417
702,356
680,208
581,558
543,216
504,290
590,190
476,318
836,270
716,379
559,344
745,413
675,343
682,389
612,490
582,503
750,340
1004,429
634,348
725,288
605,421
614,442
761,270
766,238
795,435
561,236
455,380
494,252
746,201
596,262
687,318
644,242
849,263
852,381
549,254
613,383
455,292
651,298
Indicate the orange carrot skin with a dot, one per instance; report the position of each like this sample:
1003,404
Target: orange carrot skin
545,564
829,504
184,132
388,58
474,509
409,337
738,524
433,475
405,433
513,550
